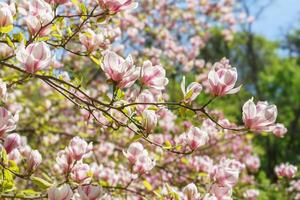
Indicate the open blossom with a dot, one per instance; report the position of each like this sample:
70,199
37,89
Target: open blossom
11,142
81,173
133,151
89,192
196,137
226,173
153,76
191,192
221,192
115,6
34,160
6,15
251,194
34,57
91,40
7,121
78,148
63,192
201,163
222,79
259,117
149,120
119,70
286,170
143,163
145,97
191,92
280,130
35,27
42,10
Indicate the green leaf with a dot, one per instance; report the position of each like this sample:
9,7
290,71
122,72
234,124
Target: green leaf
41,183
147,185
168,145
96,60
6,29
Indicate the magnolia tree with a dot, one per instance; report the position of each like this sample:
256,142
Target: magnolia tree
80,120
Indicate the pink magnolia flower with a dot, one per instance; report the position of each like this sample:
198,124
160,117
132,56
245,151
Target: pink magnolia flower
133,151
81,173
149,120
91,40
115,6
34,57
11,142
191,92
191,192
280,130
252,162
57,1
6,15
36,27
221,192
259,117
42,10
64,160
201,163
63,192
196,137
222,80
89,192
153,76
143,163
78,148
145,97
5,50
34,160
121,71
251,194
286,170
7,121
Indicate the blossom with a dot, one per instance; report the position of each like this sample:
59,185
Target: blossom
259,117
89,192
280,130
196,137
143,163
34,160
11,142
222,80
7,121
6,16
91,40
5,50
286,170
153,76
149,120
191,92
81,173
133,151
251,194
221,192
252,163
63,192
34,57
191,192
78,148
115,6
119,70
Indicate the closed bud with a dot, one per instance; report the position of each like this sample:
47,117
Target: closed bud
89,192
11,142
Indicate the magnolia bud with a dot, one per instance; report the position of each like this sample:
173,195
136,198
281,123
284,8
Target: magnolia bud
11,142
34,160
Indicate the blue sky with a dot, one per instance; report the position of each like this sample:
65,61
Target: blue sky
277,19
